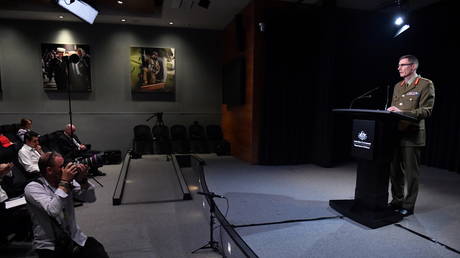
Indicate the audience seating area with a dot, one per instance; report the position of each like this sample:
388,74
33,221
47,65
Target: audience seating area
178,139
14,185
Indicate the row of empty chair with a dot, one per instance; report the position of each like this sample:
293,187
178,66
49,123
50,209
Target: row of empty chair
160,139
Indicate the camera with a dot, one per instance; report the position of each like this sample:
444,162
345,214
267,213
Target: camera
94,161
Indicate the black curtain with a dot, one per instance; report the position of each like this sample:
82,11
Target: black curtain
289,92
318,59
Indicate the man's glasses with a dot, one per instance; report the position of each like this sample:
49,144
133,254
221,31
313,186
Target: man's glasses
399,65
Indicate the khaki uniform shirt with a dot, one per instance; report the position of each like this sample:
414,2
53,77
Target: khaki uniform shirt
416,100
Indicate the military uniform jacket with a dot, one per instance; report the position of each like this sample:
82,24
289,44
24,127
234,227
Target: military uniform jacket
415,100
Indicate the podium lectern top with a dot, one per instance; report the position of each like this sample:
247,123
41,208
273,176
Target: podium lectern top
374,114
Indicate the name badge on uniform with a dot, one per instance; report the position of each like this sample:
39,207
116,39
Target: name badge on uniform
413,93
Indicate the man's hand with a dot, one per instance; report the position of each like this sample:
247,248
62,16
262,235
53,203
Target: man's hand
5,168
82,147
82,175
394,109
69,172
39,149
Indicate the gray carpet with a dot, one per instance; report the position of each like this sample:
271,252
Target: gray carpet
151,179
164,229
151,230
260,194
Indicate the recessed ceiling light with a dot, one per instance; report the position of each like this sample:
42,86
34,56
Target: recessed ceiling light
61,17
171,23
120,2
123,20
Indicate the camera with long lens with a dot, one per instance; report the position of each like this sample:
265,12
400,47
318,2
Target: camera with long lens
94,161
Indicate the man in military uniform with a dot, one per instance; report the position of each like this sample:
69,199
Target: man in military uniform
413,96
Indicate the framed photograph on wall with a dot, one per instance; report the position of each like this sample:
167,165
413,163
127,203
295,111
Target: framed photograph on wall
153,70
57,59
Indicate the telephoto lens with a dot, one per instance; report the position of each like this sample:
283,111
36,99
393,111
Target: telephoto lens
93,161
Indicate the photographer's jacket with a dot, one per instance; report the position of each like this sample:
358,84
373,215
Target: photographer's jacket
45,201
415,99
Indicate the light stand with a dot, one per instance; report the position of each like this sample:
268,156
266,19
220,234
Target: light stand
211,244
74,58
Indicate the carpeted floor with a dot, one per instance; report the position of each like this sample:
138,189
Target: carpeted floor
145,230
260,194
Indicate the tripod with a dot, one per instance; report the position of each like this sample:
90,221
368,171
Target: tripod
211,244
159,116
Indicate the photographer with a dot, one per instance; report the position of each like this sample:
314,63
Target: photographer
50,203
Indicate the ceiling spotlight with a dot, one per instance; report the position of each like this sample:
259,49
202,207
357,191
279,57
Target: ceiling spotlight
123,20
399,20
171,23
120,2
204,3
61,17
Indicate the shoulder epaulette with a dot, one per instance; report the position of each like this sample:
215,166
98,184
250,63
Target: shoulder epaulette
425,79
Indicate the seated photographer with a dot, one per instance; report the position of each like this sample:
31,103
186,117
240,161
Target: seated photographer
71,148
50,202
30,153
14,220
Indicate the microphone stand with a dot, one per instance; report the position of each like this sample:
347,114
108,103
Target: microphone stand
214,245
388,94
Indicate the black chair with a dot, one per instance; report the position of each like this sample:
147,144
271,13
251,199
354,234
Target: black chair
161,139
143,141
216,142
179,141
48,142
10,153
197,137
14,185
11,131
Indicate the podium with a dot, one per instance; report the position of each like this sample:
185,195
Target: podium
375,138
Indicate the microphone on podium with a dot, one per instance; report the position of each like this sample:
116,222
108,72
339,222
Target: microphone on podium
366,95
211,194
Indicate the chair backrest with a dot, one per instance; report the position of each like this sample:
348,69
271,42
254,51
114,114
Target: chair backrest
160,132
214,132
44,140
142,132
10,131
50,142
196,131
178,132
